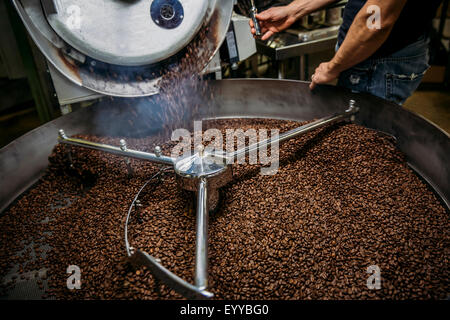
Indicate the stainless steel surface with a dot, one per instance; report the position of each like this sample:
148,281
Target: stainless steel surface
305,36
253,13
215,182
44,37
36,17
201,244
49,6
199,168
158,151
173,281
123,32
123,147
246,44
120,151
214,167
106,78
68,93
295,43
201,164
427,147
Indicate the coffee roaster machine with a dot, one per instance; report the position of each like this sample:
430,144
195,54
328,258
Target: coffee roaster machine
89,60
111,70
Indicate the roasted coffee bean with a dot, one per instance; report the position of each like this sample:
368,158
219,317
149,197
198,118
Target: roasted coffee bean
343,199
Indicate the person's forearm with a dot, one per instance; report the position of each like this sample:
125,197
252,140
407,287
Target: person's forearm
361,41
300,8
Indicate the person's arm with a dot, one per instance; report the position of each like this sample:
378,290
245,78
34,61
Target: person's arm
361,41
277,19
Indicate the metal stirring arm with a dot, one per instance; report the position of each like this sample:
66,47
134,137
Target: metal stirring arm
174,282
204,178
201,245
253,13
141,258
156,158
349,113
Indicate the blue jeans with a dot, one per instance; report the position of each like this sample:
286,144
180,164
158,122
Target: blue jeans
394,77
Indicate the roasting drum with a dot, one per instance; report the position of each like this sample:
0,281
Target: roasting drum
121,48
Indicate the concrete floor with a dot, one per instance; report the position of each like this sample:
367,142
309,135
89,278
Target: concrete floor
433,105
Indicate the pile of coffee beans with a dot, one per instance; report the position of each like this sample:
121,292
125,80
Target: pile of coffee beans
344,200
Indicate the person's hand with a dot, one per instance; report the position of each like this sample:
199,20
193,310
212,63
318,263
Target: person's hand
273,20
325,73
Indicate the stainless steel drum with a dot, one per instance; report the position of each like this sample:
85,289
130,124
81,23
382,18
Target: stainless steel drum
121,48
127,33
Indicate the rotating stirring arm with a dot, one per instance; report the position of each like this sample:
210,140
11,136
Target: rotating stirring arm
201,246
141,258
349,113
207,179
160,159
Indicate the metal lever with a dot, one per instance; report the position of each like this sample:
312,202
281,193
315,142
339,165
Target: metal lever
49,6
123,147
140,258
138,207
174,282
116,150
253,12
201,246
348,114
62,135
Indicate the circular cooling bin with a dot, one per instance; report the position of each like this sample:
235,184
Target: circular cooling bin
427,147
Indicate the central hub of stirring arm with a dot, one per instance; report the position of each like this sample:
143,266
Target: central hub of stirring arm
203,173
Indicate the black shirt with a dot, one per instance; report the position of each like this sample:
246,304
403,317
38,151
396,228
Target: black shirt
413,22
